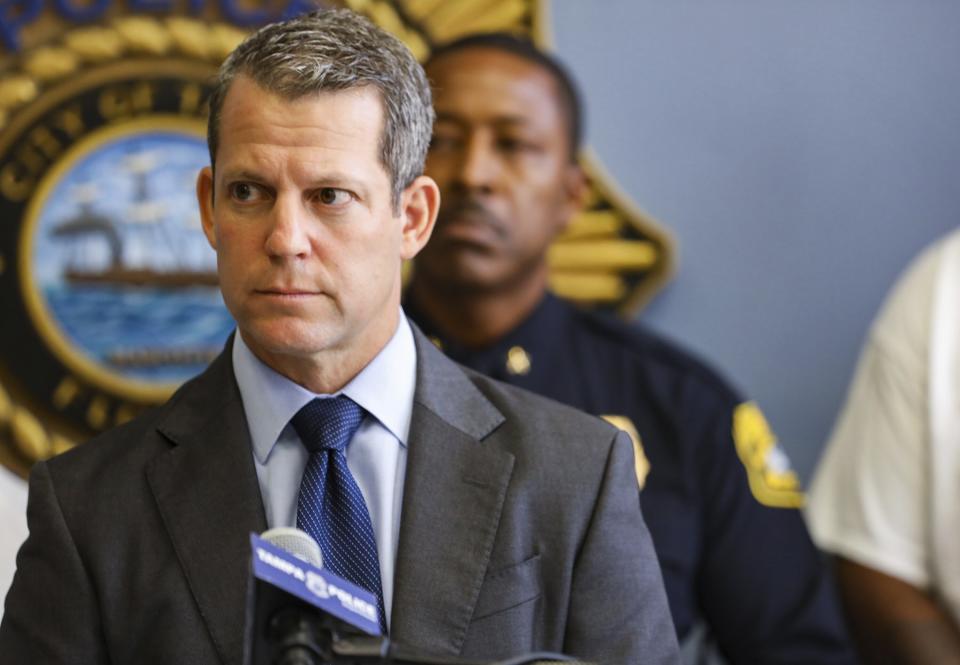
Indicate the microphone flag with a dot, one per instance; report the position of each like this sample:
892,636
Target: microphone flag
316,586
278,575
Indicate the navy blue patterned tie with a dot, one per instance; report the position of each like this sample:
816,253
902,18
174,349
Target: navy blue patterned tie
331,507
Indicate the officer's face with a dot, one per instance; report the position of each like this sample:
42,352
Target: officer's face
500,155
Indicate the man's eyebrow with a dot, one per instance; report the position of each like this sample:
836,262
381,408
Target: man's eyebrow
446,116
503,119
241,174
336,179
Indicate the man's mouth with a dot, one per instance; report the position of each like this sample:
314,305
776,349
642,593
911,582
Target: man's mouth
471,223
286,292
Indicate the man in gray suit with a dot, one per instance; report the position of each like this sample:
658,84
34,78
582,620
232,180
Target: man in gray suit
499,522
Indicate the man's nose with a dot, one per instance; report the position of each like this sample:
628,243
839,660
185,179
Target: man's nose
289,232
479,164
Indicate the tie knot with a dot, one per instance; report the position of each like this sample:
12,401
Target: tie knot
328,423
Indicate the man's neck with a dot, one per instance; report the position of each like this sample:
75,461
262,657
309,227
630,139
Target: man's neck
476,318
326,372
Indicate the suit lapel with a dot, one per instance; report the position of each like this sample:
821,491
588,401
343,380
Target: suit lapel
206,489
452,500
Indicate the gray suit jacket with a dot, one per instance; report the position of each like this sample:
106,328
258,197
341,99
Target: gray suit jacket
520,531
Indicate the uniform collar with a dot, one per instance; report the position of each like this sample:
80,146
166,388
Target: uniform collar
538,336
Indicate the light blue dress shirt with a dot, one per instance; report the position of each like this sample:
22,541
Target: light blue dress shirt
377,454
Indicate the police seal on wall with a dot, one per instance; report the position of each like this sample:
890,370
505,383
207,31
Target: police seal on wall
107,288
108,291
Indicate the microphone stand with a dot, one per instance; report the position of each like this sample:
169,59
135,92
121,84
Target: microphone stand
300,638
381,650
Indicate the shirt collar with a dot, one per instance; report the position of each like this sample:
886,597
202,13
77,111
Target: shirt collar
384,388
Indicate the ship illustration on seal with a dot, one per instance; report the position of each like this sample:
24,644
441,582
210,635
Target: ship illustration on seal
146,219
120,263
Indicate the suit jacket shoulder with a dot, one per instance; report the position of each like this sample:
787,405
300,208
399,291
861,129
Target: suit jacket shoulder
521,528
134,539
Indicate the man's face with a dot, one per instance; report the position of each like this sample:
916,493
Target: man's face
299,211
501,156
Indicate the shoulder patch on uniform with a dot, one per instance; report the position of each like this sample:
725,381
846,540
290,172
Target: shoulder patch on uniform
640,461
772,482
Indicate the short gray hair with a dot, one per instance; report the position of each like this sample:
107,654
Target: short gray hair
328,50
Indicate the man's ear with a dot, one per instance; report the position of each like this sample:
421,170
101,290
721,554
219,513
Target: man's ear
574,193
419,205
205,202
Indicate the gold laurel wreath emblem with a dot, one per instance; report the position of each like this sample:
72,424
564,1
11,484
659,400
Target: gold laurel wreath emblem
122,37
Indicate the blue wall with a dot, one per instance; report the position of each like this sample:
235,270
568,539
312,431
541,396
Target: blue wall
800,152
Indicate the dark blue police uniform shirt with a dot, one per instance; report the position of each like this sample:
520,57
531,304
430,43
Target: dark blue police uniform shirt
718,500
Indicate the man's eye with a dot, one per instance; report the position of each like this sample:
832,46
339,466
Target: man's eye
244,191
444,142
332,196
513,144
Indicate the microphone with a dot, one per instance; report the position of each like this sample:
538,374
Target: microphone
298,543
296,611
300,614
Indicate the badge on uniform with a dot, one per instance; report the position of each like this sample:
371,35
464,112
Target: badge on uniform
772,481
640,461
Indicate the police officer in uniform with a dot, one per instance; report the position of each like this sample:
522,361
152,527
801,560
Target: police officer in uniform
742,576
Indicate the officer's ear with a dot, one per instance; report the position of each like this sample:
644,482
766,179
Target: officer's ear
574,192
